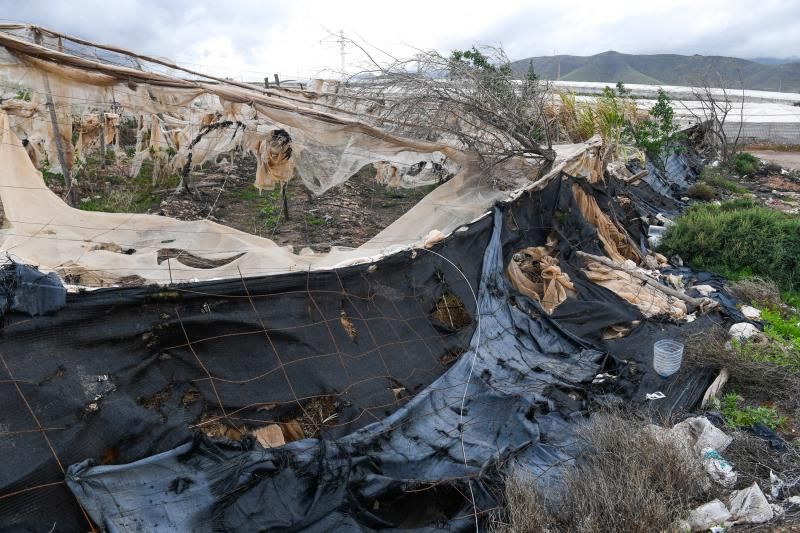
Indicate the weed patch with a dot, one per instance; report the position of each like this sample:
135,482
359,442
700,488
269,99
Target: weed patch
716,179
738,415
745,163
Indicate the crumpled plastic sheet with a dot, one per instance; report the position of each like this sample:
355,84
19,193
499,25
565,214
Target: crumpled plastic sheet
26,290
421,467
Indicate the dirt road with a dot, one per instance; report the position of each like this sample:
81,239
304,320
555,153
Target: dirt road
784,159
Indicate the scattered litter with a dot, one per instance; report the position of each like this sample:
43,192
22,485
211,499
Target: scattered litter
658,395
707,516
776,484
674,280
600,378
655,234
750,313
537,274
750,506
719,469
697,434
269,436
433,238
715,389
705,290
743,331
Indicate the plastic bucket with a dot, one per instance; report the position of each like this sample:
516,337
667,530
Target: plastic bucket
667,357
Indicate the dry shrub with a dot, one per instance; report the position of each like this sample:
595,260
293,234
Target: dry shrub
750,375
628,479
758,291
753,460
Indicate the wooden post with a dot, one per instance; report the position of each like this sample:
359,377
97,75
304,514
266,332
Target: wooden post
102,121
285,199
266,82
277,80
62,160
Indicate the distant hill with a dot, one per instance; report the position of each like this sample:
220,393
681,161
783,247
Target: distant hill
666,69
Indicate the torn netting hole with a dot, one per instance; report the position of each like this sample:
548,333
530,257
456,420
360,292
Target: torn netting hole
449,312
304,419
416,507
194,261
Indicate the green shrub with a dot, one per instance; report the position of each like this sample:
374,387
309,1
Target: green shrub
738,416
738,239
700,191
716,179
745,163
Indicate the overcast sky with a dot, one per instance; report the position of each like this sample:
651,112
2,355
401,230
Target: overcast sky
249,38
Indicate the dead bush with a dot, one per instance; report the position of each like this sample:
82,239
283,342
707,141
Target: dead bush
751,374
754,460
757,291
628,479
700,191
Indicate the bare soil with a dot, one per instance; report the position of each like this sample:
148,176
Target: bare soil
347,215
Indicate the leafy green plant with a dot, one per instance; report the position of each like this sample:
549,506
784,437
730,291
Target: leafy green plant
658,135
744,416
784,327
24,95
738,239
314,220
745,163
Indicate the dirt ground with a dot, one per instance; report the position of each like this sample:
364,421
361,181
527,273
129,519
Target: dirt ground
785,159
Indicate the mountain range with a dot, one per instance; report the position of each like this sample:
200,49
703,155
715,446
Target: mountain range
765,74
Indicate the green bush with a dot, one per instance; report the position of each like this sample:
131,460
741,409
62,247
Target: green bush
700,191
738,239
745,163
716,179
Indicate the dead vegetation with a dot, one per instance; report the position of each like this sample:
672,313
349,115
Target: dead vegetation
627,479
754,378
758,291
450,311
754,459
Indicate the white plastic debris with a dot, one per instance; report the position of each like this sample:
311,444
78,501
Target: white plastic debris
707,516
698,434
775,485
719,469
655,234
750,313
794,500
658,395
433,238
665,220
743,331
600,378
705,290
750,506
674,280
